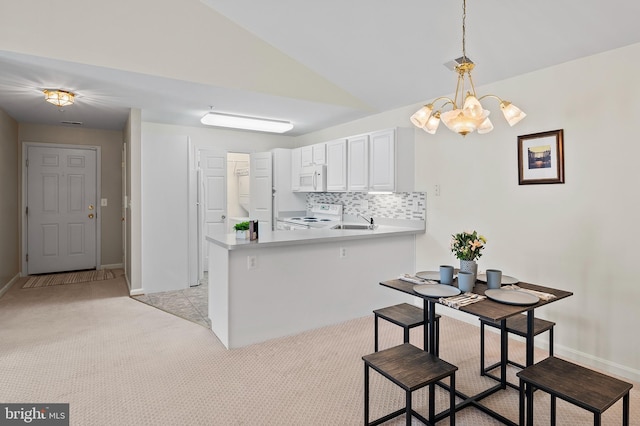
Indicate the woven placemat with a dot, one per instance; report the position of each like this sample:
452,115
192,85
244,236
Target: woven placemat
68,278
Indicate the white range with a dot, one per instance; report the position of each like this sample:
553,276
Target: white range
318,216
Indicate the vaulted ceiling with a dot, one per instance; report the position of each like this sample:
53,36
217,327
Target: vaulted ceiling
316,64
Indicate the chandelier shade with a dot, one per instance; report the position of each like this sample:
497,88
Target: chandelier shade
467,114
59,98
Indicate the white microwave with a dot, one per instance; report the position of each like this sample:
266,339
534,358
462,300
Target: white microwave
313,178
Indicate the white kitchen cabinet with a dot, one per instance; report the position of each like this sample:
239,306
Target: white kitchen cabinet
382,160
319,153
358,163
306,156
313,154
337,165
296,165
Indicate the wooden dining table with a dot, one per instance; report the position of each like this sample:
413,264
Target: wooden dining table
488,309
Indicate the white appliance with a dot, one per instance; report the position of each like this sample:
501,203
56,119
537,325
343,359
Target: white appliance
313,178
284,199
318,216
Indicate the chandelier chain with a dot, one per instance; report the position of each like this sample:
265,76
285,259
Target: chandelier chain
464,30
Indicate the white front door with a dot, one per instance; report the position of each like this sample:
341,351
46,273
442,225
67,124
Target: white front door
212,198
61,209
261,182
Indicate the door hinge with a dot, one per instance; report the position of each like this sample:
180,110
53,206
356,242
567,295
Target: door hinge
27,211
27,162
27,257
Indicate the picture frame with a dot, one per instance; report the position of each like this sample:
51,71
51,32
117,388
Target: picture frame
541,158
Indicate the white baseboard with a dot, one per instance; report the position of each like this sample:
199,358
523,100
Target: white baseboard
112,266
570,354
597,363
8,285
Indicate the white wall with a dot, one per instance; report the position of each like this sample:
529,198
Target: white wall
579,236
164,182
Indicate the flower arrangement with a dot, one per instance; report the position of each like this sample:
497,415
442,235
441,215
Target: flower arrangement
468,245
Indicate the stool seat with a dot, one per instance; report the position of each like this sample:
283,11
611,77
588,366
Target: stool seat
410,368
518,325
404,315
588,389
515,325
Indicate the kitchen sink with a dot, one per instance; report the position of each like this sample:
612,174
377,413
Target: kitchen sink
352,226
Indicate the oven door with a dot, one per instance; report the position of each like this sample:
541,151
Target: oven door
289,226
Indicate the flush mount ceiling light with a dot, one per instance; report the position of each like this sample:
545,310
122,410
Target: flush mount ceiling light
59,98
472,116
245,123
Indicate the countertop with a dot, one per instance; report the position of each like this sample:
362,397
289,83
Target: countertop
308,236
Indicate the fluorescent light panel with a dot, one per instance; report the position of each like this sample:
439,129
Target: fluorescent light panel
246,123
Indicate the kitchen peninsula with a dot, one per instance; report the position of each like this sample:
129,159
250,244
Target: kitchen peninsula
287,282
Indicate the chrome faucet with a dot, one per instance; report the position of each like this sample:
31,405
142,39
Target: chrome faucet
369,220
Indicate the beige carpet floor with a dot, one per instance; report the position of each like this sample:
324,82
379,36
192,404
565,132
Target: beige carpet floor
121,362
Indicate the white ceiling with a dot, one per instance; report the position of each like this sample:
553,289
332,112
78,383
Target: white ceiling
384,54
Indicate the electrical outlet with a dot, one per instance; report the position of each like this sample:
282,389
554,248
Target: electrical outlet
343,253
252,262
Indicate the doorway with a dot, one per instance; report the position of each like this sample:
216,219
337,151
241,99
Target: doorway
61,222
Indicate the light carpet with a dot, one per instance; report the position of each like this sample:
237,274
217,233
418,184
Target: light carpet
121,362
68,278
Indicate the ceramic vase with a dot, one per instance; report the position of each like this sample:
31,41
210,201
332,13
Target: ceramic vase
469,266
242,235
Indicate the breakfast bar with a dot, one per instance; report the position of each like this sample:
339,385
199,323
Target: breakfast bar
287,282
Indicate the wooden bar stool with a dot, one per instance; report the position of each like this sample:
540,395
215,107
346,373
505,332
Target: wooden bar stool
588,389
411,369
406,316
516,325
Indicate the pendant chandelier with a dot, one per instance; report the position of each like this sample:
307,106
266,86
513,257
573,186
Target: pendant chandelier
472,117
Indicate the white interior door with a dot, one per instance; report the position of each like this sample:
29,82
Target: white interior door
212,198
261,182
61,209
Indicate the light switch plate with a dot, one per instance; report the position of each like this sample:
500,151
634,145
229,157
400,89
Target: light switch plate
103,202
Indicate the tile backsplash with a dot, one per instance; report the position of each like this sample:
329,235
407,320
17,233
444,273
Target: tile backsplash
399,205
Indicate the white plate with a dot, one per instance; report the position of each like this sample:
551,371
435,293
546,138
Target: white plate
512,297
433,275
436,290
506,279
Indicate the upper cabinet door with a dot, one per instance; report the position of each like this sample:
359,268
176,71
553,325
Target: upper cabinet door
337,165
313,154
306,156
382,161
358,160
319,153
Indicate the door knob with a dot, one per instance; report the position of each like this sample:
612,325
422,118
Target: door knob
90,215
90,206
223,217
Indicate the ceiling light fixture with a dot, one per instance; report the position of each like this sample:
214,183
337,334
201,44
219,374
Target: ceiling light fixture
246,123
472,116
59,98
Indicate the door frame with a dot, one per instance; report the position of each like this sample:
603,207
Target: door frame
194,212
23,227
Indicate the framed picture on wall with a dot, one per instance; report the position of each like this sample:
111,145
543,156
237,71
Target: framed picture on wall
541,158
